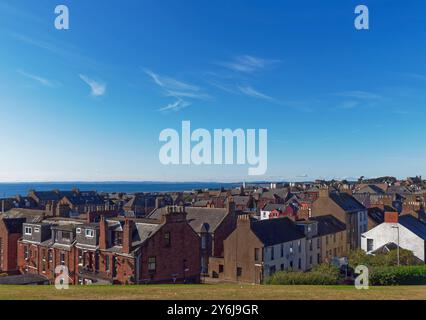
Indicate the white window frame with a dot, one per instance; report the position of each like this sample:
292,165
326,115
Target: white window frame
89,233
28,231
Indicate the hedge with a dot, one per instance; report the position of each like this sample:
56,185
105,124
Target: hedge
404,275
300,278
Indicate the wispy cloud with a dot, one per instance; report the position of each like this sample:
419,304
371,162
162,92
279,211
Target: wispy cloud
45,82
357,98
416,76
360,95
251,92
62,50
97,88
176,106
248,64
177,89
348,104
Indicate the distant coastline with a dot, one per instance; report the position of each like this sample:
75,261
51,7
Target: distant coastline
11,189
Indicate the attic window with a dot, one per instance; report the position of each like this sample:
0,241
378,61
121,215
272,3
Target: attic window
28,231
90,233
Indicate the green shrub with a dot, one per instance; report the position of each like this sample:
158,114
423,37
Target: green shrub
406,257
321,275
404,275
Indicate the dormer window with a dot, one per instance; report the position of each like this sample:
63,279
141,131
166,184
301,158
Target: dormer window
28,231
90,233
78,230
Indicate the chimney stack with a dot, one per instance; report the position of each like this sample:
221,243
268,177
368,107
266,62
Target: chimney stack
127,235
158,201
243,221
103,234
324,192
391,217
230,205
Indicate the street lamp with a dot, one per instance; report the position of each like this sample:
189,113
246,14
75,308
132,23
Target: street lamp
397,249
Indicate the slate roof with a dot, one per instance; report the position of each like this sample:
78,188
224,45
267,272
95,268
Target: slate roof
346,201
386,248
141,200
414,225
23,279
144,231
241,200
32,216
328,225
14,225
86,198
273,206
371,189
376,214
197,217
276,231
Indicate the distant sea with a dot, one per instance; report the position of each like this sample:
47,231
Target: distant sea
13,189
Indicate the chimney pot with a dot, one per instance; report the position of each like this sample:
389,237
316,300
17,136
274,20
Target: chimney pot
391,217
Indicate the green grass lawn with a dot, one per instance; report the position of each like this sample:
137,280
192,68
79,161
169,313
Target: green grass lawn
213,292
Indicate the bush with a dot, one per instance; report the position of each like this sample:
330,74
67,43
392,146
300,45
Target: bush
321,275
359,257
404,275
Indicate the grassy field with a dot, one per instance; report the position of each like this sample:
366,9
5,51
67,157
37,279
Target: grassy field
213,292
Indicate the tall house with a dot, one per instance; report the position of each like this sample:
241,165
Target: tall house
345,208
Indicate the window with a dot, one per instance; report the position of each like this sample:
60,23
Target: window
1,254
28,231
310,260
310,245
90,233
256,254
299,244
282,267
62,258
78,230
291,264
107,263
36,230
118,238
370,245
282,250
167,240
66,235
318,243
272,270
114,266
221,268
239,272
272,253
50,255
152,265
291,247
300,263
204,241
26,253
80,258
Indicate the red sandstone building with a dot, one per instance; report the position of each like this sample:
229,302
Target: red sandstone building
114,251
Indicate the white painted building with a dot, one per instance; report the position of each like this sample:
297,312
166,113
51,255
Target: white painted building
406,230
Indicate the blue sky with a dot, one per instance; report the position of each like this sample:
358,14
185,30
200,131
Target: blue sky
89,103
